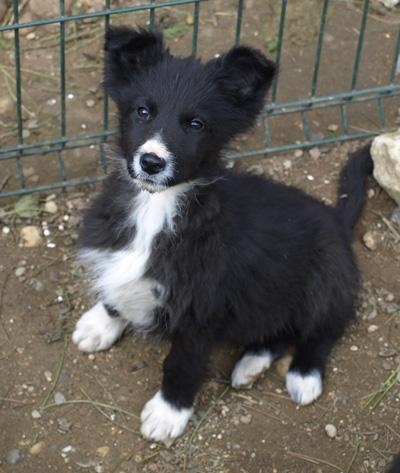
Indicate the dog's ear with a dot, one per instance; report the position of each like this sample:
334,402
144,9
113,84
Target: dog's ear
244,75
127,51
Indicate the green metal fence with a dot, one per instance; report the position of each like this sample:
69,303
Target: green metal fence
15,151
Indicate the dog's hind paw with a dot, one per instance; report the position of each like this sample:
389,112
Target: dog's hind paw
161,421
304,388
96,330
250,367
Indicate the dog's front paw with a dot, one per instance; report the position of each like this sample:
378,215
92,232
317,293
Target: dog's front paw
304,388
161,421
96,330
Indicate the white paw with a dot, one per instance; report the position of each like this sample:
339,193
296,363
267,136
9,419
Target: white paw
304,389
249,368
96,330
161,421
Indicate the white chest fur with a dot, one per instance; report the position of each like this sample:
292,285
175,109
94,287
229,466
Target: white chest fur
118,276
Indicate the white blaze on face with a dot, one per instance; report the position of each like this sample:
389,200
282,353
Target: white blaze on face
156,146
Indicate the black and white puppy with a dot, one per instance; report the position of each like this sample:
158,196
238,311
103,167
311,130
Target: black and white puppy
176,243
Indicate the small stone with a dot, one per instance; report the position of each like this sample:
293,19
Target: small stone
369,240
395,217
298,153
390,297
91,357
310,177
49,376
32,125
90,103
34,179
7,106
331,431
30,236
26,134
315,153
37,448
36,284
31,36
372,315
387,353
392,308
371,193
51,207
59,398
354,348
6,230
64,425
14,456
20,271
333,127
256,169
36,414
386,366
245,419
68,449
287,164
102,451
372,328
189,20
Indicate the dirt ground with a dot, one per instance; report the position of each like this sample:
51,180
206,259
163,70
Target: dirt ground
61,410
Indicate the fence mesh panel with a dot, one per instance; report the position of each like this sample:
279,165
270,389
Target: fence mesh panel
16,149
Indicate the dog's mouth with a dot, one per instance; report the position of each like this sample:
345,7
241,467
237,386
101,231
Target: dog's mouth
146,183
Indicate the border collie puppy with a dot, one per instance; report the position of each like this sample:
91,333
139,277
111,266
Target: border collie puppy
175,243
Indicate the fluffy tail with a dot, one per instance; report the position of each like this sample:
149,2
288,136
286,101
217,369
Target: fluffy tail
353,185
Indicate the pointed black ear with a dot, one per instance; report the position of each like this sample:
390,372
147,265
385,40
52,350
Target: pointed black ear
127,51
245,75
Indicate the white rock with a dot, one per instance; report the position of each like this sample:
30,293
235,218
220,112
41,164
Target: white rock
370,241
331,431
390,3
20,271
385,153
30,236
51,207
36,414
372,328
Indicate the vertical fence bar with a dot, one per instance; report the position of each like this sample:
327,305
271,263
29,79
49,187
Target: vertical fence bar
239,21
152,16
103,161
319,48
381,113
18,94
345,119
63,123
279,46
196,19
306,128
396,60
360,45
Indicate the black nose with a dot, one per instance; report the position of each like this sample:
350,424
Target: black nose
151,163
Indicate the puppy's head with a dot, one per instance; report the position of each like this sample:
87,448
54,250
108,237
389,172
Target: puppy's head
177,114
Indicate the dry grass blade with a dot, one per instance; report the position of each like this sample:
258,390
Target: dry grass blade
91,403
58,373
354,456
376,397
316,461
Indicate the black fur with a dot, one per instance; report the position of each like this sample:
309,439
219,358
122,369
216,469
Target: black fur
251,261
395,466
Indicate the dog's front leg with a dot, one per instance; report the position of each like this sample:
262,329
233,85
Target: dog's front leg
165,416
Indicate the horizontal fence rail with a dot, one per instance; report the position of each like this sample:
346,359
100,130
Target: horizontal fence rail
343,101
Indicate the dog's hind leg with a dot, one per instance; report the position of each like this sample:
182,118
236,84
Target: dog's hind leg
306,373
254,361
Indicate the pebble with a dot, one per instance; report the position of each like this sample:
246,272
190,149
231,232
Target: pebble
333,127
49,376
331,431
6,230
51,207
90,103
59,398
369,241
386,366
372,314
26,134
354,348
298,153
31,36
372,328
387,353
246,419
36,284
32,125
256,169
102,451
310,177
395,217
315,153
287,164
36,414
14,456
64,425
371,193
20,271
30,236
37,448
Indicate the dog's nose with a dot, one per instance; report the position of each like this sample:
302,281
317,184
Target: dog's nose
151,163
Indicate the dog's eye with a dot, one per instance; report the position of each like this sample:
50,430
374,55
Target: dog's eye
143,113
196,124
